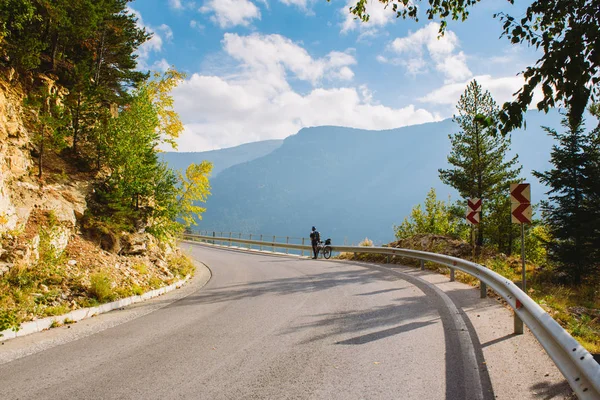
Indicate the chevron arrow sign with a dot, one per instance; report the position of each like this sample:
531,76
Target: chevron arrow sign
521,213
520,193
473,205
473,217
520,198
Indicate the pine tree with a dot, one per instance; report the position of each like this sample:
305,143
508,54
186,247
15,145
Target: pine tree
478,156
571,210
592,186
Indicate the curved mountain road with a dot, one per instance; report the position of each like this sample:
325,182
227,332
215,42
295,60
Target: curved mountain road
277,327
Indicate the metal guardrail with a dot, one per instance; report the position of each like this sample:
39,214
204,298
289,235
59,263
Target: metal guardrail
572,359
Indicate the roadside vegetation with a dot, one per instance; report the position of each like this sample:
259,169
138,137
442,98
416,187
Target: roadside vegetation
93,117
562,246
79,277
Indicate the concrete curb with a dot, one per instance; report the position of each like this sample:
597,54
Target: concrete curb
39,325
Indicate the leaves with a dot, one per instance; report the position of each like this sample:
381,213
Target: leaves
572,211
478,159
568,33
438,218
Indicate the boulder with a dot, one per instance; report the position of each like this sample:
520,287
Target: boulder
135,244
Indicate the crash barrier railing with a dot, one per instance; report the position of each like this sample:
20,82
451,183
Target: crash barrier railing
572,359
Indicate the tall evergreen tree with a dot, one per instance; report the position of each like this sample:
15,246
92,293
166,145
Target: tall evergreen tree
570,211
478,156
592,187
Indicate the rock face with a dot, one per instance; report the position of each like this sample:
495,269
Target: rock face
14,158
23,197
49,213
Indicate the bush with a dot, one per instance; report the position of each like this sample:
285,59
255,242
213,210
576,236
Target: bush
8,320
438,218
101,287
366,243
181,266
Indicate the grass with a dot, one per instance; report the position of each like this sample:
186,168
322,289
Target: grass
181,266
101,287
55,324
142,269
51,287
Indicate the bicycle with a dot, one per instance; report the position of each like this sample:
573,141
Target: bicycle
324,248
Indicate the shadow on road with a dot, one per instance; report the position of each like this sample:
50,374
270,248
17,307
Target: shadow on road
371,337
465,374
548,391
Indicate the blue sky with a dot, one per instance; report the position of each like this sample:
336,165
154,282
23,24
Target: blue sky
263,69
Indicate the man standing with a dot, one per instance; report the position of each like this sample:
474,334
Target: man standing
315,238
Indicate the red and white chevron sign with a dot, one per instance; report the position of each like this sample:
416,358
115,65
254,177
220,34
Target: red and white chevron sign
520,198
521,213
473,210
473,217
520,193
473,205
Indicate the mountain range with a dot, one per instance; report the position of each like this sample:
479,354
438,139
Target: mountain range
349,183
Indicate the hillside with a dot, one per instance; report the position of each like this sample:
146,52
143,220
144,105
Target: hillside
221,159
351,183
53,257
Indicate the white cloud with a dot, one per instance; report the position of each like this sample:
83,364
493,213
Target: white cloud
258,102
379,16
502,90
154,45
441,51
299,3
166,29
161,65
180,5
268,58
196,25
344,74
176,4
230,13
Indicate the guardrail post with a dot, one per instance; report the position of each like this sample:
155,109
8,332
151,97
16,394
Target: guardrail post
273,243
422,265
451,274
213,242
387,259
482,290
261,242
229,239
303,248
518,323
249,245
287,241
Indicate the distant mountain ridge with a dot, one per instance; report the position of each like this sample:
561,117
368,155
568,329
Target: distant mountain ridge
221,159
351,183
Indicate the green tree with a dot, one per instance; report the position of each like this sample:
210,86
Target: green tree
438,218
478,156
139,188
567,31
592,184
567,210
49,121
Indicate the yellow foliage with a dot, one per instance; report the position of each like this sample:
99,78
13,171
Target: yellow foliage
170,126
195,187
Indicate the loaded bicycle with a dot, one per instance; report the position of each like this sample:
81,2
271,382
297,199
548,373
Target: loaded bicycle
324,248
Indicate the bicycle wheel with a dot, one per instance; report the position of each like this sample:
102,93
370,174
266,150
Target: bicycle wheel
327,252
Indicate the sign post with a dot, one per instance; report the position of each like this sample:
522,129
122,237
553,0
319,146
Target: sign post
473,217
520,198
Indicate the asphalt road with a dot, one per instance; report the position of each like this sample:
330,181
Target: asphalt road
269,327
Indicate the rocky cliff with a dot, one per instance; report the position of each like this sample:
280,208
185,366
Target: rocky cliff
46,253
